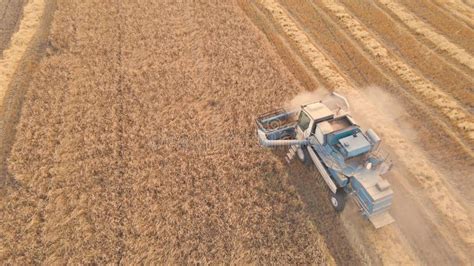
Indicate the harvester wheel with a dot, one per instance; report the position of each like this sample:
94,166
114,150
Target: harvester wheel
303,155
338,200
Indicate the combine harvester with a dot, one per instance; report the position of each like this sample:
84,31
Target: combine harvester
349,161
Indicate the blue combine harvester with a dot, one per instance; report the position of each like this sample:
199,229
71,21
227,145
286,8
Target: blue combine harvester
349,160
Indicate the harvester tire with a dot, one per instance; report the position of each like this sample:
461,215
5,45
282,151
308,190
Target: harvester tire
303,155
338,200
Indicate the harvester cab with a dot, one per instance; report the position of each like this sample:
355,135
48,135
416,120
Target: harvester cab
350,161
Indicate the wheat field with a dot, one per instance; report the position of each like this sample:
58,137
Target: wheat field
128,130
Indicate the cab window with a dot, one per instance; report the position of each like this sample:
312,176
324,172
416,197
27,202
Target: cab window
303,121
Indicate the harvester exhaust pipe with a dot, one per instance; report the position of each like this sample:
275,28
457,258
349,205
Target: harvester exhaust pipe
264,141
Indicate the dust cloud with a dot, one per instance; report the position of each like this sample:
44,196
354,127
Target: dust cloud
382,100
306,97
386,105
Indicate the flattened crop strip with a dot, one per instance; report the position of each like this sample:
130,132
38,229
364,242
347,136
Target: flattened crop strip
448,106
458,9
422,28
407,153
443,22
323,66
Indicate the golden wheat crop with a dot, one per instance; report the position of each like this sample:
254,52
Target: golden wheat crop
136,143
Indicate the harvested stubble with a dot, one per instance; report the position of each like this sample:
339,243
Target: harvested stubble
136,143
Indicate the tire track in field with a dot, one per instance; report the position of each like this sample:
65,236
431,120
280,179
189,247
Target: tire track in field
424,29
19,42
32,178
433,95
10,17
23,200
17,64
442,21
413,159
121,116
